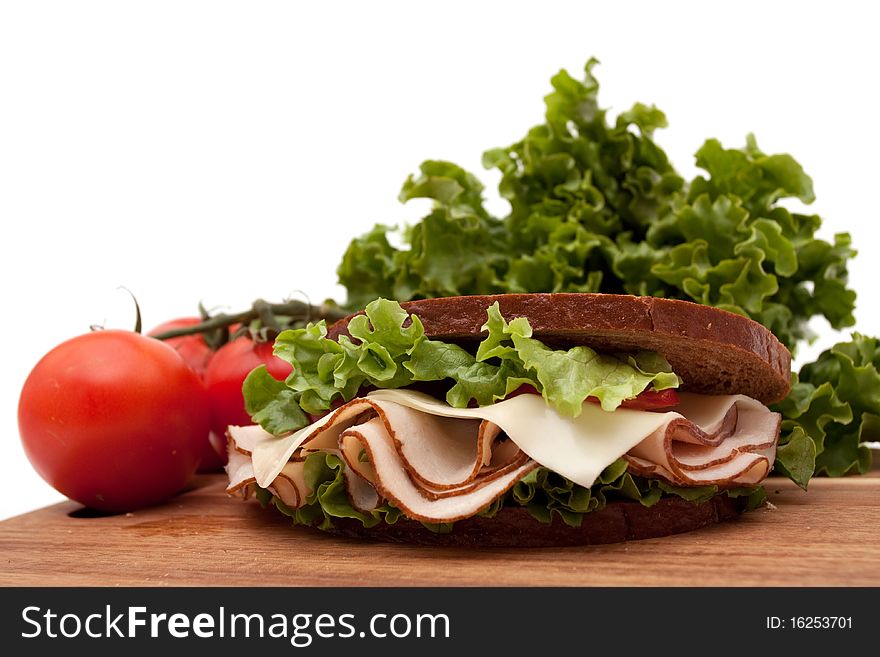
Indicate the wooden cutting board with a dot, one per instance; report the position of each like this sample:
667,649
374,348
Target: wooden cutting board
829,536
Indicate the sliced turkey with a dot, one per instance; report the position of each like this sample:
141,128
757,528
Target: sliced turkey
440,464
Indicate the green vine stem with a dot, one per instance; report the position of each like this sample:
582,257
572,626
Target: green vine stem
270,316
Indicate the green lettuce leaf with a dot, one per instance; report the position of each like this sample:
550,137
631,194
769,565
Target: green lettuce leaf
388,349
327,499
271,403
567,378
832,410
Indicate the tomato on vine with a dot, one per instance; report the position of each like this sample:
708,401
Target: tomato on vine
225,375
196,352
114,420
192,348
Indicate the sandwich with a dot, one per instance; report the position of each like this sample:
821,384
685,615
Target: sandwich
515,420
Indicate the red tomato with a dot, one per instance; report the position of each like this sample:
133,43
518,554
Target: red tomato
114,420
192,348
196,352
225,375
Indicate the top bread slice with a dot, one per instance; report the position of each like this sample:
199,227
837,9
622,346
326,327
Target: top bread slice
714,352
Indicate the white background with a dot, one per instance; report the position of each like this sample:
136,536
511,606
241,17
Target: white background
221,151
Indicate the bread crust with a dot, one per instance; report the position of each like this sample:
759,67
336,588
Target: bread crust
713,351
514,527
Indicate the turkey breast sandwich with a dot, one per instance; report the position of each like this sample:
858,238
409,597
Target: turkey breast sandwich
515,420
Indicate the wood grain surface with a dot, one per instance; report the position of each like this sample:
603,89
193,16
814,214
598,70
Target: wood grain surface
829,536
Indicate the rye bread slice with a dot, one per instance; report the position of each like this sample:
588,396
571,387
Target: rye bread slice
513,526
715,352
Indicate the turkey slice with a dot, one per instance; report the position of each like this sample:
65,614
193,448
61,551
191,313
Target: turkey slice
394,483
740,452
290,485
240,470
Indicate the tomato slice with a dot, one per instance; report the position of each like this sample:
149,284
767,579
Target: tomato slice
524,389
647,400
653,400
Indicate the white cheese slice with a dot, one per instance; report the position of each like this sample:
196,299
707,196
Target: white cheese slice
577,448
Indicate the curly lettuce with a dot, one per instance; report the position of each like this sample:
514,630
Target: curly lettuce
832,411
596,206
387,348
543,493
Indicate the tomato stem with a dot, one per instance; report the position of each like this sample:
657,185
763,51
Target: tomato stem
138,324
267,313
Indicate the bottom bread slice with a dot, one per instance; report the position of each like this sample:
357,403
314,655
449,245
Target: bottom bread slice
515,527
